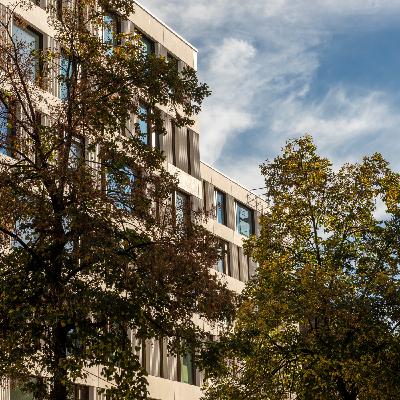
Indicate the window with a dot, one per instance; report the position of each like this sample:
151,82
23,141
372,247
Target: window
120,186
111,28
65,75
172,59
181,208
244,220
29,42
6,131
148,45
81,392
144,125
220,203
187,370
223,262
76,153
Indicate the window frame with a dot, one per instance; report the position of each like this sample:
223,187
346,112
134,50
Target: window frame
238,205
30,30
7,149
185,218
223,208
116,24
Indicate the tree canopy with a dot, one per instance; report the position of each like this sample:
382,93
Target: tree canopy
94,250
321,318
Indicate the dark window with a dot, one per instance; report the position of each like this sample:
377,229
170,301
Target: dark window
220,203
244,220
81,392
6,131
148,46
223,261
181,208
29,42
187,370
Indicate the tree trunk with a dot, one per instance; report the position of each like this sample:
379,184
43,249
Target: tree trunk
59,390
344,392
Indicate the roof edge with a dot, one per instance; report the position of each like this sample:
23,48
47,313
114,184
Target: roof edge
166,26
233,181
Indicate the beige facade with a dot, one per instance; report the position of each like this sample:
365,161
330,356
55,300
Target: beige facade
232,218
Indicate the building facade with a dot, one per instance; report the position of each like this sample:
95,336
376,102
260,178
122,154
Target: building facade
234,210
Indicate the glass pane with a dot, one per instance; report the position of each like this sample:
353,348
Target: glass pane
187,369
18,394
28,41
244,220
65,72
75,154
147,45
120,185
109,29
3,129
181,205
221,264
220,207
143,125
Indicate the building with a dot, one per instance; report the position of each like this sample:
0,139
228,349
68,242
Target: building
236,208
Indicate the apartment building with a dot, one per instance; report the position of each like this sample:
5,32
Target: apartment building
234,209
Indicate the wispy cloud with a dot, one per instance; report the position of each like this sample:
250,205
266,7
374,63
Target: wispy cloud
262,60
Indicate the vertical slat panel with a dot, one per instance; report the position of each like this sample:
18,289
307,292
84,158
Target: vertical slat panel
256,215
166,140
252,267
4,389
52,82
5,19
197,203
244,266
194,154
234,261
230,212
172,364
208,196
154,357
161,51
181,148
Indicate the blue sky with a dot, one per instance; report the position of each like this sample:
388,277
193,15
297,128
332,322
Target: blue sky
282,68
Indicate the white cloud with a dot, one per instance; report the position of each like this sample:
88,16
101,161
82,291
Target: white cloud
228,111
260,59
344,125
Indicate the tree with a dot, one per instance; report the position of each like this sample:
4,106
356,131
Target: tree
93,248
321,318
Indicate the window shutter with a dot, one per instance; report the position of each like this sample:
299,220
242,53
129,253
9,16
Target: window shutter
234,261
181,148
166,140
230,211
256,216
161,51
252,267
52,84
5,18
197,204
208,196
194,153
244,266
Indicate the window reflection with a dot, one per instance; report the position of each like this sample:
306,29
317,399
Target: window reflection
220,207
28,42
244,220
